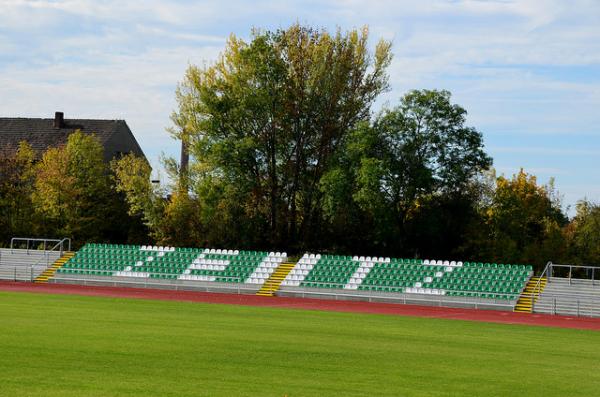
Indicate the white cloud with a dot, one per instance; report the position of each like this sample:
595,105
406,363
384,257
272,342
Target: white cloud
549,151
123,59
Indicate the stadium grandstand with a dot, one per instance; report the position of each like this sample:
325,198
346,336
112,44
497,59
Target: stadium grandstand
466,284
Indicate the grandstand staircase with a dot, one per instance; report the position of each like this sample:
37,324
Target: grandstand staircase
530,294
272,284
49,272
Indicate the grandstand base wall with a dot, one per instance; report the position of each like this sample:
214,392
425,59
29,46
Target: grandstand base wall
398,298
309,304
250,289
175,285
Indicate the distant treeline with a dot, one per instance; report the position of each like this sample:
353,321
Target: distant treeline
286,154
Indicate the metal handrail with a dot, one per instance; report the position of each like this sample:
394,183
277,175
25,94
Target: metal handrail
568,295
61,242
147,282
47,252
538,286
548,272
440,300
44,240
571,267
234,283
25,274
577,303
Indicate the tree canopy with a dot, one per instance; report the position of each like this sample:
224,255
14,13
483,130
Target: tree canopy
410,157
265,121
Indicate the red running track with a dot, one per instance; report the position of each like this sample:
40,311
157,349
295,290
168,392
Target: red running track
492,316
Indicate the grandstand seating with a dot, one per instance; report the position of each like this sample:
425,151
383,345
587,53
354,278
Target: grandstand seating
193,264
374,276
468,279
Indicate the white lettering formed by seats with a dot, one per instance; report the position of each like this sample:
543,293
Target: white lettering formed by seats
363,270
420,287
152,250
202,263
301,270
266,268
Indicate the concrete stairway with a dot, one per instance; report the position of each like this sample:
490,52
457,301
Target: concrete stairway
530,294
24,265
49,272
575,298
272,284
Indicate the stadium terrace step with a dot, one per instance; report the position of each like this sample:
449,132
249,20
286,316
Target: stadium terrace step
49,272
535,286
272,284
25,264
569,297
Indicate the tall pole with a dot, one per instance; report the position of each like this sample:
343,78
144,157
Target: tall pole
184,161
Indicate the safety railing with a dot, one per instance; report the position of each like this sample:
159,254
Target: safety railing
537,289
335,291
21,273
462,298
59,243
569,304
580,304
20,264
232,284
45,259
573,272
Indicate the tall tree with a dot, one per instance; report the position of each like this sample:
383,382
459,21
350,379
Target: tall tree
171,219
583,234
521,222
412,158
73,192
17,177
265,121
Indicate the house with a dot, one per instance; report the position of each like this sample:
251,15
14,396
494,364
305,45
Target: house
114,135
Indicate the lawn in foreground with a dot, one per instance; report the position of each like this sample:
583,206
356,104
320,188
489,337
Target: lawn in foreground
59,345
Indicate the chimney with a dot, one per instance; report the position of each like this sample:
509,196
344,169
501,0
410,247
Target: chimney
185,155
185,159
59,120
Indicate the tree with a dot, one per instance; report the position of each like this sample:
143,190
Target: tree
412,159
171,219
73,192
131,177
16,185
521,222
265,121
583,234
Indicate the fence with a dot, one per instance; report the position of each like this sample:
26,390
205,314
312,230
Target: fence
332,291
231,284
573,272
17,242
570,290
20,273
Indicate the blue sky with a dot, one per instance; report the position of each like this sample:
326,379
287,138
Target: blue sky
527,71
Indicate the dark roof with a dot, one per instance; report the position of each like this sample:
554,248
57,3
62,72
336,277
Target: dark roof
115,135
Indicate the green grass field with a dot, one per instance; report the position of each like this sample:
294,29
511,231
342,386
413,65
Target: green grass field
53,345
